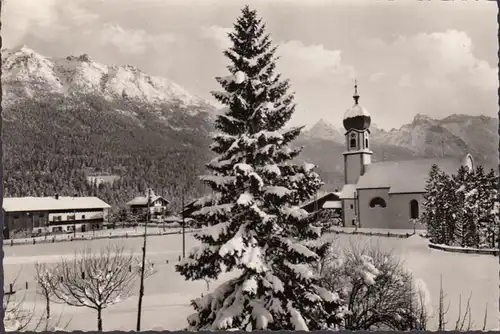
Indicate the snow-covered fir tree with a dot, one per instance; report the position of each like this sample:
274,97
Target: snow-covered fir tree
253,223
435,212
487,196
462,229
460,210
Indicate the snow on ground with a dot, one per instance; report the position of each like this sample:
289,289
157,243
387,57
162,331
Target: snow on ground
167,295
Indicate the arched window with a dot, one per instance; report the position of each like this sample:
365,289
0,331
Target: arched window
414,209
377,201
353,140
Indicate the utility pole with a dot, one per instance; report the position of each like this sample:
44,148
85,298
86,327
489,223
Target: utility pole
183,227
141,289
74,224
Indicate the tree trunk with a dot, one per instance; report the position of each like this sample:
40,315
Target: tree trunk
99,320
47,308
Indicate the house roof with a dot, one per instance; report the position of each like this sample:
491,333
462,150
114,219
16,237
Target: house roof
143,200
332,205
409,176
26,204
320,196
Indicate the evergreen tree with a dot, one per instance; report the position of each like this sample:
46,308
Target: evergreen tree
487,195
252,222
433,215
461,186
450,208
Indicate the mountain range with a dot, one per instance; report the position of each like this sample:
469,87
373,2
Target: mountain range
66,118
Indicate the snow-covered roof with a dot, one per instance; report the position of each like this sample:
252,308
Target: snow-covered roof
348,191
332,205
408,176
321,196
26,204
143,200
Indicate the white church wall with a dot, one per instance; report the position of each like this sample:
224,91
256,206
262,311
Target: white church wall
376,217
400,210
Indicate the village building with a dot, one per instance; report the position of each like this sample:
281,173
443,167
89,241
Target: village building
387,194
37,215
158,206
326,201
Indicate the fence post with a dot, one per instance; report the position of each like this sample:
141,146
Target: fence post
12,242
10,287
179,257
83,274
26,285
33,241
130,268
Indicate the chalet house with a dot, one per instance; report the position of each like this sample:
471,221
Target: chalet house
53,214
157,205
326,201
386,194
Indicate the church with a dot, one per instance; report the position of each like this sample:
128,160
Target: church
387,194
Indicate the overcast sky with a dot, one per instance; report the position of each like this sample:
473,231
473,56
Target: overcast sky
409,56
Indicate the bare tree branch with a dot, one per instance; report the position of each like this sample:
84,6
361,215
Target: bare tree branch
95,281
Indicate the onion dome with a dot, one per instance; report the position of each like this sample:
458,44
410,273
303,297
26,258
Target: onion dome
356,117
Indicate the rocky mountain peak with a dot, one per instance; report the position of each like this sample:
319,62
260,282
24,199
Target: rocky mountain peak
27,73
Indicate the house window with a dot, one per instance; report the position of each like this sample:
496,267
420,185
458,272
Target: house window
83,216
353,140
353,222
414,209
377,201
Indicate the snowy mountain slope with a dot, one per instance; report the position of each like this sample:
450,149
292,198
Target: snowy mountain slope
324,130
74,110
27,73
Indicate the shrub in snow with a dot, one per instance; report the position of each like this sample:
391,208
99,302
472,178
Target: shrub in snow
378,290
253,221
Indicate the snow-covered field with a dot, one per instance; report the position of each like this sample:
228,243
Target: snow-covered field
167,295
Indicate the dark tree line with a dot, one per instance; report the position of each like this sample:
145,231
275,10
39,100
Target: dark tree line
53,143
460,209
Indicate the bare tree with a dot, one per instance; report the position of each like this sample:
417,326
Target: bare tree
19,317
95,280
390,301
45,281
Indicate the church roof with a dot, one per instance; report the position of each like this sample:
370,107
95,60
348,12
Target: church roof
409,176
348,191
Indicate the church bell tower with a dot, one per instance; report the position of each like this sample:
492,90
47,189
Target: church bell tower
358,154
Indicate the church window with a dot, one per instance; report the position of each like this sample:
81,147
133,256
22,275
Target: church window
353,140
377,201
414,209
